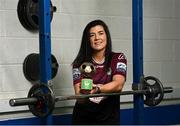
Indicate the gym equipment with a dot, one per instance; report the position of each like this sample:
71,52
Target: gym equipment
45,100
28,13
31,67
41,99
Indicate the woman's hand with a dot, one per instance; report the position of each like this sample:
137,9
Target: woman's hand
77,88
96,88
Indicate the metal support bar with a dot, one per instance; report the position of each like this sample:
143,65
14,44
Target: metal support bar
45,45
45,41
137,8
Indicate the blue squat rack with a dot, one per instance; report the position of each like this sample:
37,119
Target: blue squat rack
45,47
45,51
137,8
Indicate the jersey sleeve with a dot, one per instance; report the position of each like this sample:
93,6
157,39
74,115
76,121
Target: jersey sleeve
119,64
76,75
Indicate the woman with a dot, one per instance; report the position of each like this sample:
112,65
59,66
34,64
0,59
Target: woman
110,77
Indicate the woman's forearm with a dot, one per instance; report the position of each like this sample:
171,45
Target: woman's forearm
115,85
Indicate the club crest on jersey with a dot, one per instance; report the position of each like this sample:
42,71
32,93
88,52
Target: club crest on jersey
76,74
121,67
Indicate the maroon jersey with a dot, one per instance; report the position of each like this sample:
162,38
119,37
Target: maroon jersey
103,107
118,66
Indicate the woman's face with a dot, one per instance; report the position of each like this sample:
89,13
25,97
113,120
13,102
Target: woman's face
98,38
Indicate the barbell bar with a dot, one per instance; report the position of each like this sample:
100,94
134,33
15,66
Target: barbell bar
33,100
71,97
41,96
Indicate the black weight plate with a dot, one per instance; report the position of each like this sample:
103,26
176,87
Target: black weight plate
46,100
21,11
54,66
32,13
156,91
31,67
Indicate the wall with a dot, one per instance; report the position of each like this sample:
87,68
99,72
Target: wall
161,41
161,44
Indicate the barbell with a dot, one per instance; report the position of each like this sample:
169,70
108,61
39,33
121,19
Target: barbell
41,99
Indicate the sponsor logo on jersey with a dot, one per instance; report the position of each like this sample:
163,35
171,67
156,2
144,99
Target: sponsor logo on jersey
121,56
76,74
121,67
97,100
99,66
109,72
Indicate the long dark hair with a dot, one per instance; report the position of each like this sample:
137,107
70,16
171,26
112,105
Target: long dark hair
85,51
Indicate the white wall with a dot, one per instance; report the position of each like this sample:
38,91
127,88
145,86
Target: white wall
161,42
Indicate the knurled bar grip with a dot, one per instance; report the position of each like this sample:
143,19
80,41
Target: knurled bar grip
33,100
71,97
